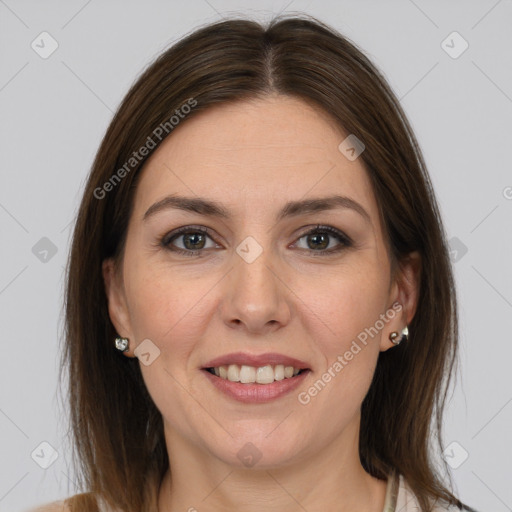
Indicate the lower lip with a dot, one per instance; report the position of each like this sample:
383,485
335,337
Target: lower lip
256,393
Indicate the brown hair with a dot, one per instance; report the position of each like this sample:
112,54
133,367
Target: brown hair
120,450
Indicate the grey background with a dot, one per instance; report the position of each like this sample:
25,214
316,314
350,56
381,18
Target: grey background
54,112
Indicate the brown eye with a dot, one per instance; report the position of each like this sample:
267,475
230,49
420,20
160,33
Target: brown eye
319,239
188,240
193,241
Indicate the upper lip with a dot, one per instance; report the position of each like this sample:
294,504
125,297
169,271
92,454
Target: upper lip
256,360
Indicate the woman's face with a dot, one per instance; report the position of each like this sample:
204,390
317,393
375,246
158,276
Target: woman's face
263,280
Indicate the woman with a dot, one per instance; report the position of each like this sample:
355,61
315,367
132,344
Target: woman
260,309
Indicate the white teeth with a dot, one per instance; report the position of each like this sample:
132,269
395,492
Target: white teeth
247,374
265,375
250,374
233,373
279,372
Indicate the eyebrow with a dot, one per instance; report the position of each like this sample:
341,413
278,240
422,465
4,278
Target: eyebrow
291,209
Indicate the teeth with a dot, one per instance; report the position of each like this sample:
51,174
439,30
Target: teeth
279,372
233,373
250,374
247,374
265,375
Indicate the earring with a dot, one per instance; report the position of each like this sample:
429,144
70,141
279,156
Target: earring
403,336
122,344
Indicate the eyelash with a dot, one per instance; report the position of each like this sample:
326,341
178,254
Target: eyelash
166,240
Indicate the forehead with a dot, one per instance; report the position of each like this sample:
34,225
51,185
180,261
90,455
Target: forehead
255,154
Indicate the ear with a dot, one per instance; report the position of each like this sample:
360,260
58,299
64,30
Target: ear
117,306
404,290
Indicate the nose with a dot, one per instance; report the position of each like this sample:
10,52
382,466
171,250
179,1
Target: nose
257,298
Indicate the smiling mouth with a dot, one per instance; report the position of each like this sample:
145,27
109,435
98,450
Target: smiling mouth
256,375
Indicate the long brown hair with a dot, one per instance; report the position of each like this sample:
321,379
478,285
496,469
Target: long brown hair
120,452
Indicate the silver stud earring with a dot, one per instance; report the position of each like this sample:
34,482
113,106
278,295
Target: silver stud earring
122,344
404,335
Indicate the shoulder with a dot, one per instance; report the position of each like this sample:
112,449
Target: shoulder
54,506
407,502
84,501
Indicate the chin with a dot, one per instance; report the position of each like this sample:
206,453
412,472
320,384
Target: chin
258,451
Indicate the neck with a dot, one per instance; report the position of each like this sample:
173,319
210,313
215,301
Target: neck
330,479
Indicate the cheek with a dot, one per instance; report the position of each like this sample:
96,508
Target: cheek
169,310
171,313
343,303
342,320
342,310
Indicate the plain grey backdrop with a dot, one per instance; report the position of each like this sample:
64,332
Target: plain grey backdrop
64,69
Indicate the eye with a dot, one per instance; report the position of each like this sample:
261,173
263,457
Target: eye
192,238
318,240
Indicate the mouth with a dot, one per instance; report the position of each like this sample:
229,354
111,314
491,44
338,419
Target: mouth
255,385
256,378
263,375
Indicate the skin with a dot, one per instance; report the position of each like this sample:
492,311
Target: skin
254,156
